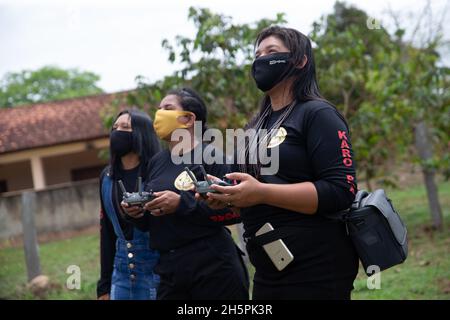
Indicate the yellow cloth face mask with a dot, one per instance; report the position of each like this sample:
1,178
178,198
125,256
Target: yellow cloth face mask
166,122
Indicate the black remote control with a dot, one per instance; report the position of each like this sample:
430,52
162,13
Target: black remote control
203,187
139,198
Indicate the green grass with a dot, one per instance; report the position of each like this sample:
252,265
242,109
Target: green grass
424,275
55,258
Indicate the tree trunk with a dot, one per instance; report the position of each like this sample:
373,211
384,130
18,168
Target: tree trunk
368,180
425,151
369,185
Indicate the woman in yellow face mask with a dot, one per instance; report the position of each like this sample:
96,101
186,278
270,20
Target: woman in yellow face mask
198,257
171,116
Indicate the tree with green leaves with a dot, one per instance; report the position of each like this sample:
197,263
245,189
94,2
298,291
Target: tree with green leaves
217,63
46,84
391,91
426,102
353,65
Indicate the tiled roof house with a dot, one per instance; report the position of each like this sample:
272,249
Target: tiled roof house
51,143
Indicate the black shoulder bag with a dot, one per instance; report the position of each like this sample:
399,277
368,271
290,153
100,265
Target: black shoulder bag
376,230
373,225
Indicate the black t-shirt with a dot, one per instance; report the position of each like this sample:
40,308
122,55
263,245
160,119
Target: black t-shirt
108,236
316,148
193,219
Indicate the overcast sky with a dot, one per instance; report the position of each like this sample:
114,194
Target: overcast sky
122,39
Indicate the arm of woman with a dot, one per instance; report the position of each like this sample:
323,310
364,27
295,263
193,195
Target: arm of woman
334,189
107,253
204,212
185,204
300,197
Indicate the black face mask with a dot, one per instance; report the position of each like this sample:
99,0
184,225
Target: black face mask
121,142
269,70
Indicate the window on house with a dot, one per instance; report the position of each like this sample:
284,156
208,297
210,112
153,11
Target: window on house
3,186
86,173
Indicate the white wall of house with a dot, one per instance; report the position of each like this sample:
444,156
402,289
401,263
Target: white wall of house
58,168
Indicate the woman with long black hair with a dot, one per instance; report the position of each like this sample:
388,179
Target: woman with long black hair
127,261
198,257
315,179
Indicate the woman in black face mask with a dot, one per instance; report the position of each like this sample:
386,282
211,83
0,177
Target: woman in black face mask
126,260
315,179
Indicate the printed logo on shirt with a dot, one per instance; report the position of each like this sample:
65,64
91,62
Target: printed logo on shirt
183,182
225,217
278,138
347,158
345,149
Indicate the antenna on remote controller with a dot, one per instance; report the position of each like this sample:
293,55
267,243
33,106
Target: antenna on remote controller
191,175
205,175
140,185
122,187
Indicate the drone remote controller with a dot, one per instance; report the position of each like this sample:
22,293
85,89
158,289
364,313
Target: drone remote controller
136,198
203,187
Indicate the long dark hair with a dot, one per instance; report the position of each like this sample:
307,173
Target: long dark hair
191,101
145,143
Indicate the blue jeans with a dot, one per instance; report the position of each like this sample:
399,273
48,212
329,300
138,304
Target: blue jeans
133,277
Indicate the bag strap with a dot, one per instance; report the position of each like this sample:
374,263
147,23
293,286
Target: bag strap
361,194
107,197
356,204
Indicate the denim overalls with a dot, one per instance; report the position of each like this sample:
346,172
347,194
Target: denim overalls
133,277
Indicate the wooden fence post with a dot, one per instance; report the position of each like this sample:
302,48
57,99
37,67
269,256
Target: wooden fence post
29,235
